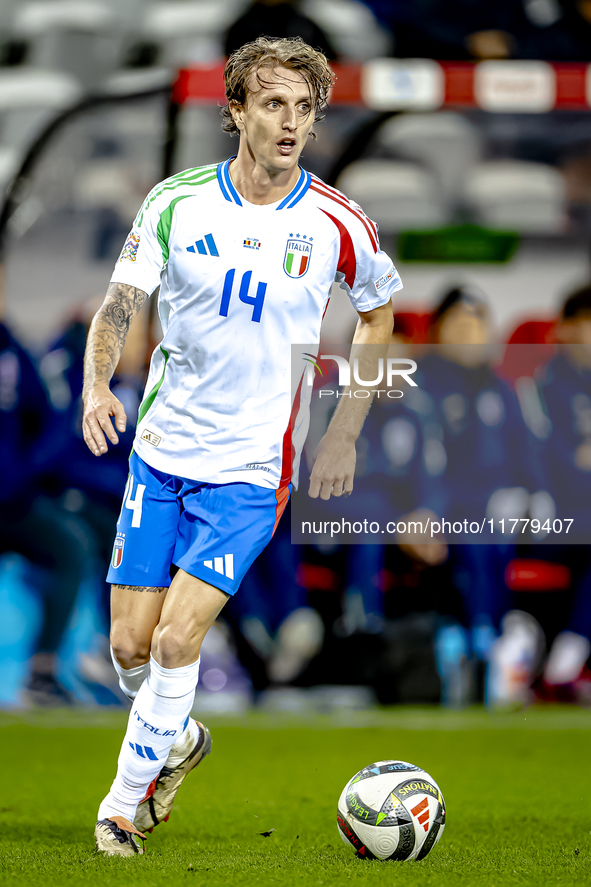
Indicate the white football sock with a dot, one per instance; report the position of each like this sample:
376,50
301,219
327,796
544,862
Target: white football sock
131,679
158,716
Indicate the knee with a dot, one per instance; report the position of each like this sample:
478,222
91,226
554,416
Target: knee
174,646
128,650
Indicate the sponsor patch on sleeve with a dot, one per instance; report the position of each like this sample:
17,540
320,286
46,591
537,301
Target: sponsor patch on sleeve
130,247
383,280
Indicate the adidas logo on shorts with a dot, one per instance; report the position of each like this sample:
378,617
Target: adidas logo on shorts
223,565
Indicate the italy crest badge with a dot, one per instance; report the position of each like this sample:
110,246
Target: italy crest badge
297,256
118,550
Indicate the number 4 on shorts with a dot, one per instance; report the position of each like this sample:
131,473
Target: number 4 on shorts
134,504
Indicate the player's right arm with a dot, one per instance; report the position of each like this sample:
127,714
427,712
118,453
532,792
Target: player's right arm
106,339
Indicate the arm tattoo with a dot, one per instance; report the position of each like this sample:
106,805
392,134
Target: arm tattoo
108,332
140,588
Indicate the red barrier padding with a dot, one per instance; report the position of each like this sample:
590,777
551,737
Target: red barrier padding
534,332
523,574
205,83
459,83
315,577
519,362
571,86
347,88
412,326
502,86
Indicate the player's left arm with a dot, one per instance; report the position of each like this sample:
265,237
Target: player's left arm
334,460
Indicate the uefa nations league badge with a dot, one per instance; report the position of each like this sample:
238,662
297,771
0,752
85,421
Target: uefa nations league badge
118,550
297,255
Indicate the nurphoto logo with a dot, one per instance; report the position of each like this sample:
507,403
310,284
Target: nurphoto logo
399,367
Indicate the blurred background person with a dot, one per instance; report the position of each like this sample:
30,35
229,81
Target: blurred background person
396,480
564,385
487,474
559,32
453,29
277,18
556,30
57,547
277,633
88,488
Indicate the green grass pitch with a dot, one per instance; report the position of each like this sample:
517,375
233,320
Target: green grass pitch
517,788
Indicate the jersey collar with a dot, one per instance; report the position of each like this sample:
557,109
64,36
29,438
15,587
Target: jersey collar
231,194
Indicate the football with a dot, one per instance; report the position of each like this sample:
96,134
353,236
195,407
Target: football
391,810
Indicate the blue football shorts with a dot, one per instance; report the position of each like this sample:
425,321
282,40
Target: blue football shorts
212,531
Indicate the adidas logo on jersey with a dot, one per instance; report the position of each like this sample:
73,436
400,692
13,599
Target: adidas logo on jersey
205,247
223,565
151,438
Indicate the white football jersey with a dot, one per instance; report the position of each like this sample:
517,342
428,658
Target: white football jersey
239,283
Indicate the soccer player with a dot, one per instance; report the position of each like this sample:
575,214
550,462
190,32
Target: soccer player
244,253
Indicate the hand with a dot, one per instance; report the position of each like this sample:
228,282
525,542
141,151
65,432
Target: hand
99,405
334,467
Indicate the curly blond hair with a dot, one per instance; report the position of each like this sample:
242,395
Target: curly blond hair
264,52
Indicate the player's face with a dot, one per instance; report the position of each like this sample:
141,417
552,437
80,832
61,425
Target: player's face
277,118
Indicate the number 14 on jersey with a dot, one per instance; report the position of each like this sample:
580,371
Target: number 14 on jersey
257,301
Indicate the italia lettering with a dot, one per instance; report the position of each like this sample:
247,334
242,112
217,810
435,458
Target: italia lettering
154,730
296,245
